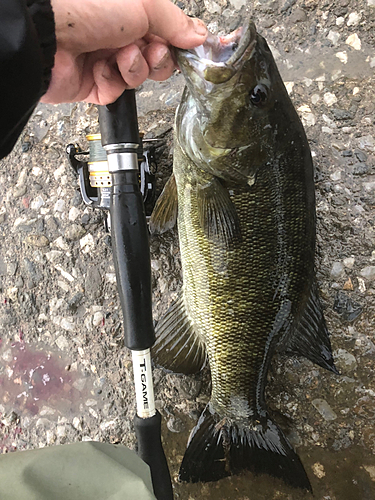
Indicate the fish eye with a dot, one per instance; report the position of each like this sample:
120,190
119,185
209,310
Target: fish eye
258,95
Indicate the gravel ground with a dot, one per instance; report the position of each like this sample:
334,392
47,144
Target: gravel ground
64,372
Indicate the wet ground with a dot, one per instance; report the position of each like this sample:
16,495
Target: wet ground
64,373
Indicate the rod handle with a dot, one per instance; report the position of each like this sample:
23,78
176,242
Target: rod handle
150,449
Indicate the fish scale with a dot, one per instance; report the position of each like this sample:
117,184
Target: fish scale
242,288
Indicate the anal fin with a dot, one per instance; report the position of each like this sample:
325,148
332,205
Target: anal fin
310,337
178,347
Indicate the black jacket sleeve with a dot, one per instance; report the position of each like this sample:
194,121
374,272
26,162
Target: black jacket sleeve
27,49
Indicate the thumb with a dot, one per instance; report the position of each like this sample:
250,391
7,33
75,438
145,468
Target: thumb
171,23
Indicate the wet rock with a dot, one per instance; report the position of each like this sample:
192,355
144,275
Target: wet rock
324,409
37,240
175,424
190,388
348,309
344,361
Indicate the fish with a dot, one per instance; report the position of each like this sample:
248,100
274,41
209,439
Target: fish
242,191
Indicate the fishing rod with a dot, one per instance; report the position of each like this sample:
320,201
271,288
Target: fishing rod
118,179
120,139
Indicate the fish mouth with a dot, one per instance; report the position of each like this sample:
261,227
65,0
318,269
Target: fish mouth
220,57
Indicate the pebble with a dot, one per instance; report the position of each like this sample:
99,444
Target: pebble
212,7
368,272
19,191
307,117
59,206
77,424
329,98
175,424
37,203
62,343
344,360
361,284
342,56
324,409
371,470
353,19
61,243
74,232
68,324
37,240
298,16
367,142
53,255
74,213
354,41
87,243
97,319
318,470
334,37
349,262
340,21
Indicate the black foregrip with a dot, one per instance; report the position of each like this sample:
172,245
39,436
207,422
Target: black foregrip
118,121
151,451
131,256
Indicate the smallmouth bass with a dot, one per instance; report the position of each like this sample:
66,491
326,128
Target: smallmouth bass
243,178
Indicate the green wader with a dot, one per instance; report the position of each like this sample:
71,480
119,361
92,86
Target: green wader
78,471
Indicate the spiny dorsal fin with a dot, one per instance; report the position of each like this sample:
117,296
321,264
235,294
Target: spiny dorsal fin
178,347
217,213
164,215
310,338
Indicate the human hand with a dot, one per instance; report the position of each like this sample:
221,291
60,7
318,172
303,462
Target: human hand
105,47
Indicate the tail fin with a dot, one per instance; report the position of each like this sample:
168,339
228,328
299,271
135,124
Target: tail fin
217,449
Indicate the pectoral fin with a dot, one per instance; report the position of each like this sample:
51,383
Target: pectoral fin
178,347
310,338
217,213
164,215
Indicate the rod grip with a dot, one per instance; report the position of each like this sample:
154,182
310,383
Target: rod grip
119,121
150,449
131,257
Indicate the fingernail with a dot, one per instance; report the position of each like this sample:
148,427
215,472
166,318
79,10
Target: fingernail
162,61
199,27
135,65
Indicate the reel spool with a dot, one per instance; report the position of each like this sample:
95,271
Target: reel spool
95,180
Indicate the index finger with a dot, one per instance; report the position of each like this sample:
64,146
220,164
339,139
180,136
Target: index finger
173,25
